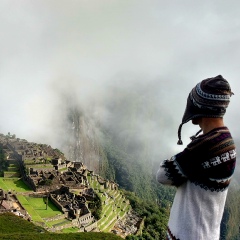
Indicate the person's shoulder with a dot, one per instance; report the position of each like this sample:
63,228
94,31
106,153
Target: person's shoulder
219,134
214,136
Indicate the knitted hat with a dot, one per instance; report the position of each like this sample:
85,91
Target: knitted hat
209,98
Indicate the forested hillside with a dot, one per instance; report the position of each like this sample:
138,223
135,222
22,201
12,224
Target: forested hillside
122,145
127,143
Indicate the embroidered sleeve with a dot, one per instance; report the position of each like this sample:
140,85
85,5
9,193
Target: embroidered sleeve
170,173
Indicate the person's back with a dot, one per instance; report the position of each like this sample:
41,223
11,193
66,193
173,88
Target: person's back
202,172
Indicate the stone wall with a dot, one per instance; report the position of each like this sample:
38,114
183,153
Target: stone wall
91,227
11,174
29,182
85,219
58,205
58,217
57,228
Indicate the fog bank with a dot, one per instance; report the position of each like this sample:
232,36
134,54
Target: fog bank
94,52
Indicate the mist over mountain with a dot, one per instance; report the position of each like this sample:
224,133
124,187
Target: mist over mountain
106,82
126,66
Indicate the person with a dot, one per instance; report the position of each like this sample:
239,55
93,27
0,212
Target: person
202,171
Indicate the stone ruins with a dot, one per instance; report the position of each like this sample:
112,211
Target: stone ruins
48,173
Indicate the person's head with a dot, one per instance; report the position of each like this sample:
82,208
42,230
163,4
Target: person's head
208,99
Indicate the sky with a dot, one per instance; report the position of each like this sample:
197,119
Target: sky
50,49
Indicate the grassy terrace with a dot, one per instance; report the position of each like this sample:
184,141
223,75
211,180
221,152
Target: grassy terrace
60,222
12,171
12,168
70,230
14,184
30,209
36,207
95,185
115,206
11,180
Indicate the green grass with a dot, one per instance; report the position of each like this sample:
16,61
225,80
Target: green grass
9,223
102,197
15,228
36,207
59,222
109,228
63,169
28,161
15,184
109,210
111,216
40,207
13,168
70,230
35,216
61,236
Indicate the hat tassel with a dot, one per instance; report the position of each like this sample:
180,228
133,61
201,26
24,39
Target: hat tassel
194,136
179,135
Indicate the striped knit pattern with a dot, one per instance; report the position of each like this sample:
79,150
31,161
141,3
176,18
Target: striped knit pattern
209,98
202,173
204,100
214,157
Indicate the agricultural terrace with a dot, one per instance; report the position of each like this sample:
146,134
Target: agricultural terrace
114,206
45,213
46,163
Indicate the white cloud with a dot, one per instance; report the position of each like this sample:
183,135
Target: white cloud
51,47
